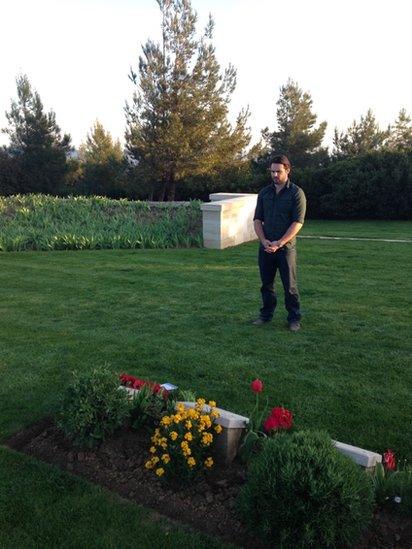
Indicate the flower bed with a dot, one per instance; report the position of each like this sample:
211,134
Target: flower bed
119,465
163,456
208,506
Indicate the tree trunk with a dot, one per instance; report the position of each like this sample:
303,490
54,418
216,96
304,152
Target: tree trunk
172,187
162,193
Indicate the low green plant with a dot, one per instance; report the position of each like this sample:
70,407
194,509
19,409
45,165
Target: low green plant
393,488
145,406
41,222
179,395
186,395
301,492
92,407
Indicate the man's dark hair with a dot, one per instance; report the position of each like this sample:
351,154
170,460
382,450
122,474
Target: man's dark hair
280,159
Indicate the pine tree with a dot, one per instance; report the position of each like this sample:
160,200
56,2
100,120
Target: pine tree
103,163
100,147
36,142
177,124
360,138
400,134
297,135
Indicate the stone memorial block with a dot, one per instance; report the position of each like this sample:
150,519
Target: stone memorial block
362,457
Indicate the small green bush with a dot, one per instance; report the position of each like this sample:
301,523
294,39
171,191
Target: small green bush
301,492
93,407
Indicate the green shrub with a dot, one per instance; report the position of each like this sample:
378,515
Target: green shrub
301,492
93,407
359,188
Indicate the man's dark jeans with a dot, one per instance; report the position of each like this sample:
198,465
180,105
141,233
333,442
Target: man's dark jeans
284,260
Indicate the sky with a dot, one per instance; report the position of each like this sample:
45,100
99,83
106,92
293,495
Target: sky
350,55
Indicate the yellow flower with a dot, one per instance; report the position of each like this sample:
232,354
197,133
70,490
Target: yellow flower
188,424
218,429
212,403
185,448
192,414
177,418
155,460
173,435
206,420
180,408
191,462
152,450
207,439
165,458
160,471
188,436
209,462
201,401
214,414
166,420
148,465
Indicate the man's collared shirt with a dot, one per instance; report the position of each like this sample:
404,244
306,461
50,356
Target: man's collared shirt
278,211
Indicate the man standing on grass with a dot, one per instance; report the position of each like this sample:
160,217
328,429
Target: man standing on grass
279,216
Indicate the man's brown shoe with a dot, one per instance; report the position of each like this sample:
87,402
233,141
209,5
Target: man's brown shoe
294,326
260,322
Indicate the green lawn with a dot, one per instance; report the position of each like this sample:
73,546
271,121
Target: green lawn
182,316
397,230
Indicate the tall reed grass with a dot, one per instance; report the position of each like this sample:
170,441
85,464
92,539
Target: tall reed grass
41,222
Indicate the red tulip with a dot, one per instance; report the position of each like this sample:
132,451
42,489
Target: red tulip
279,418
389,460
270,424
257,386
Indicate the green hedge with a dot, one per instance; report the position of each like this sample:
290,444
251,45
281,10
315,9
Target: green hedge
373,186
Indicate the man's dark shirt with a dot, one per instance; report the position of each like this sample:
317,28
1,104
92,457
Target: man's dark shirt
279,211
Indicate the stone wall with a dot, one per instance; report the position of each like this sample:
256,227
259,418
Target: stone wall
228,220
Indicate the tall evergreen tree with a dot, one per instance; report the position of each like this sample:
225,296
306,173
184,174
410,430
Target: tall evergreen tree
103,163
177,124
297,134
99,147
36,142
400,134
360,138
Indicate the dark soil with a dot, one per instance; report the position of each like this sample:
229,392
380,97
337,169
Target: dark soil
208,506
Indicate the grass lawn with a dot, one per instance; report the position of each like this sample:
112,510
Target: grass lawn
395,230
182,316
